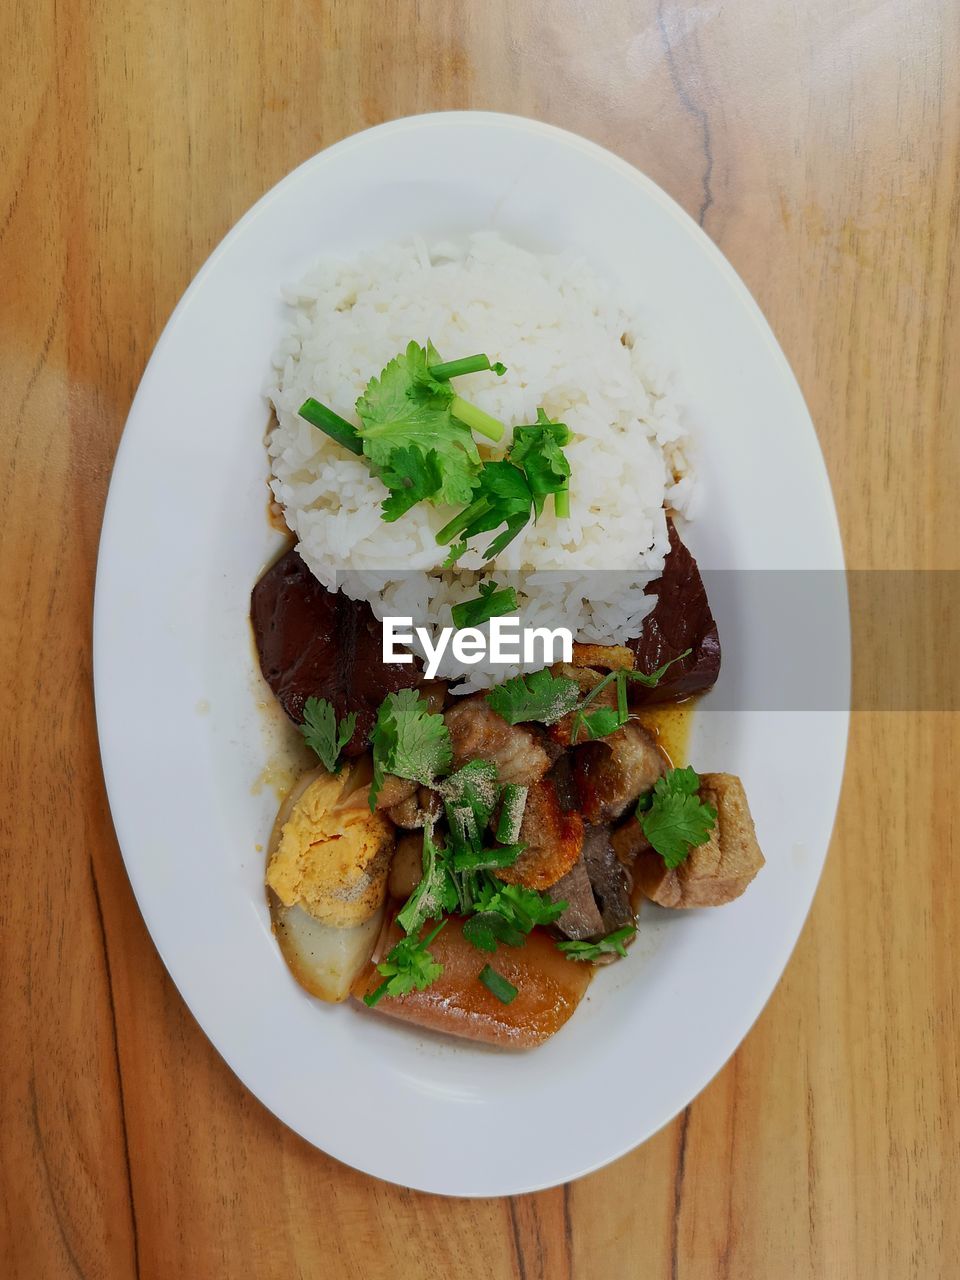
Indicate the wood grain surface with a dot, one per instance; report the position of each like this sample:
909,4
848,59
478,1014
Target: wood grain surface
819,145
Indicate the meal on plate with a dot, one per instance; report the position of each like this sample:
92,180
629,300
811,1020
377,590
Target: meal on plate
463,433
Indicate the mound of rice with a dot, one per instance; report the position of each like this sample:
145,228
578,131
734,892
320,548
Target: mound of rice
568,346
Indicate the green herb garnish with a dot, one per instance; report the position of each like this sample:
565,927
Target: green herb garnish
540,696
524,908
490,603
677,820
454,554
508,492
538,449
603,721
434,895
448,369
322,735
473,790
486,929
409,740
497,984
589,725
408,966
613,943
411,476
513,802
501,496
487,859
405,408
337,428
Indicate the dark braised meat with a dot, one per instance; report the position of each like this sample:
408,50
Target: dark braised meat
318,643
596,890
582,918
681,619
608,880
613,772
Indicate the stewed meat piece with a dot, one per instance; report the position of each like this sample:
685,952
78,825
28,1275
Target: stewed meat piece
416,810
715,872
478,733
394,791
608,880
596,890
553,839
582,918
614,772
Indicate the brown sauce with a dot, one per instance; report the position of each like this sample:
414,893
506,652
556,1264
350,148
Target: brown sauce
671,723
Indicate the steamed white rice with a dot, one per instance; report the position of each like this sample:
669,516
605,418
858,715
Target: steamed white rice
568,346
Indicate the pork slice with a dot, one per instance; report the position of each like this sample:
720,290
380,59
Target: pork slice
614,772
478,733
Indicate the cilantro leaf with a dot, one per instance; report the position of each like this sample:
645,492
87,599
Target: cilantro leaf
524,908
486,928
453,555
501,496
538,449
589,725
538,696
411,476
497,984
435,893
407,967
405,408
322,735
677,820
409,740
614,942
653,679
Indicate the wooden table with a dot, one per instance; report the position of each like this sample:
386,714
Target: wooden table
819,145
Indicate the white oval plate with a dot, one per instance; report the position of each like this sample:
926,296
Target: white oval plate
185,537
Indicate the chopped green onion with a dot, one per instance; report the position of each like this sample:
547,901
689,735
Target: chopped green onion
476,419
513,801
466,516
489,604
486,859
469,364
561,503
337,428
496,983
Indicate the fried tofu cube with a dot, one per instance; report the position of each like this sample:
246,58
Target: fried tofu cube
713,873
